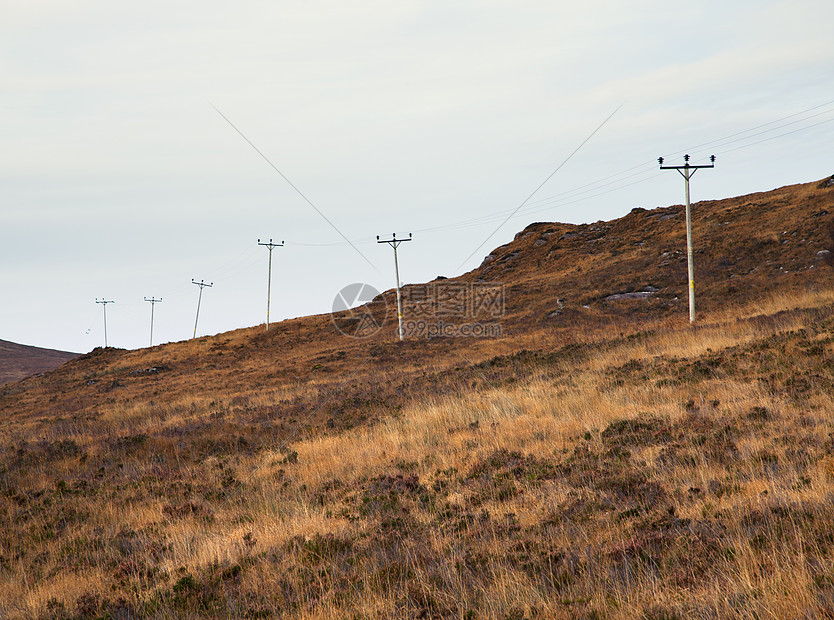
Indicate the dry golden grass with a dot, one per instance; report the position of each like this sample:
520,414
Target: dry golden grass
606,480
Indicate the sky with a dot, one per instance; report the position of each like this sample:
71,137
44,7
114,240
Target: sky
148,144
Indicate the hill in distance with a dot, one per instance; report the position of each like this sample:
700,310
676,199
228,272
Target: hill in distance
18,361
601,458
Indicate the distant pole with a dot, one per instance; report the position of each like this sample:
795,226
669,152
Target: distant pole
686,171
104,303
269,246
153,302
202,285
394,243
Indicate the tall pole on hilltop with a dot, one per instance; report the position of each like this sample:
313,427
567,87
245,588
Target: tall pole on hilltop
202,285
269,246
394,243
686,171
153,302
104,303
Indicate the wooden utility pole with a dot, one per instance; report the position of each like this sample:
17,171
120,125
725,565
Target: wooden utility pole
687,170
104,303
269,246
394,243
153,302
202,285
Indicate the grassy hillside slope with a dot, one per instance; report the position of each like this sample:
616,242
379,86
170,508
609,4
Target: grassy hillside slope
608,461
19,361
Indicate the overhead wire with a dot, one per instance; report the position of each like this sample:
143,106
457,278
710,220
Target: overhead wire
559,199
787,133
648,166
293,186
615,181
609,191
721,143
778,120
360,241
542,184
568,197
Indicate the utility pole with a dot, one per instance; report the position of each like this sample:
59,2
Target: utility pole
153,301
686,171
269,246
104,303
394,243
202,285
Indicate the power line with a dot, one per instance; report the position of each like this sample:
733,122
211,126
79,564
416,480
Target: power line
550,176
557,200
720,143
558,204
781,135
292,185
594,185
362,241
778,120
242,260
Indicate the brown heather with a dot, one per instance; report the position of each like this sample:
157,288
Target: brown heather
19,361
599,462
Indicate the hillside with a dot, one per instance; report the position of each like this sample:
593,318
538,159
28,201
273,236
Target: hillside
19,361
602,458
746,249
743,248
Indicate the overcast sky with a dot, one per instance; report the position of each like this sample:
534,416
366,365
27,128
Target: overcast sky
119,178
